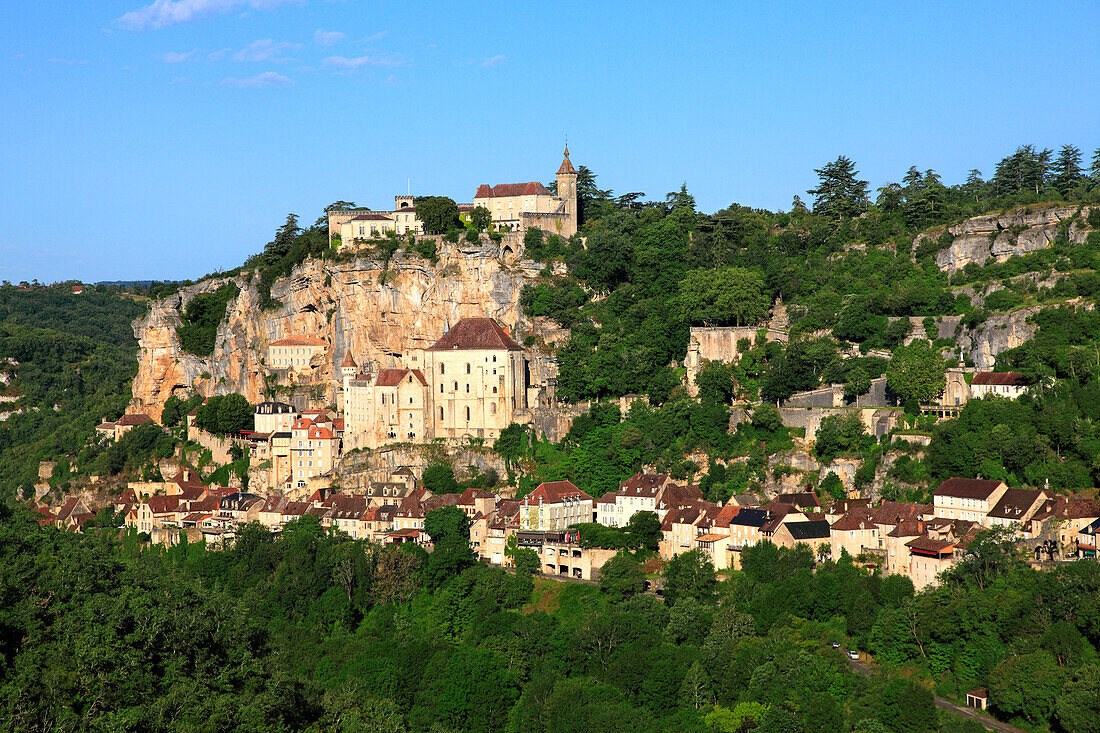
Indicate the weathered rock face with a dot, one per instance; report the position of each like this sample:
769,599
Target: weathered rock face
1000,236
362,305
1002,332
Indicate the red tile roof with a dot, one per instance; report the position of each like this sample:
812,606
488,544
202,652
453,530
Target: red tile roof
139,418
371,217
501,190
476,333
555,491
1015,503
316,433
856,519
299,341
967,488
348,360
1014,379
643,484
393,377
566,166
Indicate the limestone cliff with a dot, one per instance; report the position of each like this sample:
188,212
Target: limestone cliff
377,310
1000,236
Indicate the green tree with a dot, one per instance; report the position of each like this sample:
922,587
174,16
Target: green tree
439,478
917,372
765,416
480,218
690,575
1078,707
439,214
839,193
621,577
715,382
225,414
731,295
644,530
839,435
907,707
1026,685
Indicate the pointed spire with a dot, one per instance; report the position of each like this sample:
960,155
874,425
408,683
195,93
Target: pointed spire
348,361
566,165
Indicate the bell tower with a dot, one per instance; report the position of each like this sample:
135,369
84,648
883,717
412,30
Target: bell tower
567,189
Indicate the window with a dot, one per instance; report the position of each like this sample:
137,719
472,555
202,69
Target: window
492,408
467,414
494,390
494,357
467,367
410,400
441,370
467,388
440,413
456,386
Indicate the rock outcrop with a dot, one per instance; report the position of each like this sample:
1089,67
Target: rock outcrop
379,310
1000,236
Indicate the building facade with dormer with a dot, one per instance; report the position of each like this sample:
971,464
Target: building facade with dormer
472,382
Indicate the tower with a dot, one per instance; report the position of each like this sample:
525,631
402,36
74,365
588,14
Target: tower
567,189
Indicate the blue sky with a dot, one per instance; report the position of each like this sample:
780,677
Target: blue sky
168,139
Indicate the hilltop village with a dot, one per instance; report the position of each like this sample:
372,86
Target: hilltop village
358,463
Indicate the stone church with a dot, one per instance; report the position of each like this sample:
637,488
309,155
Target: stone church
468,384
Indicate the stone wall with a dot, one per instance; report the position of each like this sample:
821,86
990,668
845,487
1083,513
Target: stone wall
810,418
712,343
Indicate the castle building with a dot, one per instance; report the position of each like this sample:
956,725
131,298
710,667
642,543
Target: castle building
472,382
352,224
518,206
513,206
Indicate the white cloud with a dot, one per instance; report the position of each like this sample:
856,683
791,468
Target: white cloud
327,38
343,63
163,13
492,61
178,58
265,50
266,79
218,55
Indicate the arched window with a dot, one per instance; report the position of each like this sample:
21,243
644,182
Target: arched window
492,408
467,388
441,369
440,389
456,386
467,367
494,390
467,414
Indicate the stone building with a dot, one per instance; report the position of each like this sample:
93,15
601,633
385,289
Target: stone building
471,384
352,224
517,206
294,352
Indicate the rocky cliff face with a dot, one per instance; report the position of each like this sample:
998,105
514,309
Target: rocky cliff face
1000,236
378,312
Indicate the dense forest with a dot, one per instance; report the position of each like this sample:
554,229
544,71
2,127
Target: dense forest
315,631
71,359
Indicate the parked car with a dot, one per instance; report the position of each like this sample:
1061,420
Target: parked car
853,655
836,645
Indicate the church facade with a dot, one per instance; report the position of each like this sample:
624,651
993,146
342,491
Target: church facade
470,385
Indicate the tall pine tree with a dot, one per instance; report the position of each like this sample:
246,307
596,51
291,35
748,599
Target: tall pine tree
839,194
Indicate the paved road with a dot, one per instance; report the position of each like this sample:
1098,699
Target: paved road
986,721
